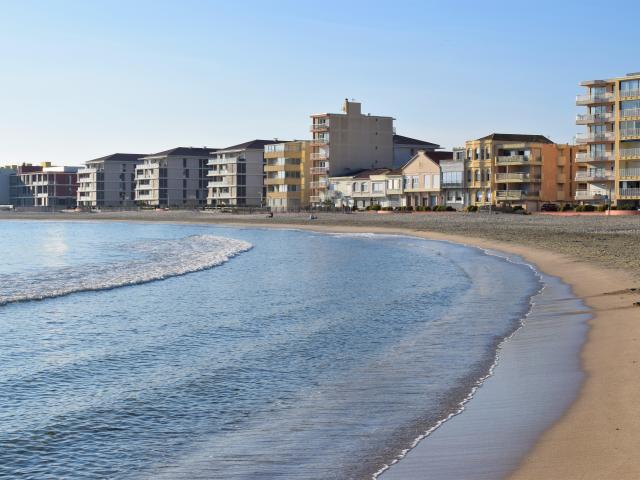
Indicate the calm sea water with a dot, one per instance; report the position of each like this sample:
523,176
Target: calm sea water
236,354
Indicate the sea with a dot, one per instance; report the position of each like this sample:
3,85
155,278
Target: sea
148,350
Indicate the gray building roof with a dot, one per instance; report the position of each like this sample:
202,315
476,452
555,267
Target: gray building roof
516,137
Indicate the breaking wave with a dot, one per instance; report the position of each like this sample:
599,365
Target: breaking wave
154,260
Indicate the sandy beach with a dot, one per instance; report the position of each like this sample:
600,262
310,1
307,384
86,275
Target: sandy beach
598,257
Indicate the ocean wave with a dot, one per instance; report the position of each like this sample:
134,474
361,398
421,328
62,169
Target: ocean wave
152,260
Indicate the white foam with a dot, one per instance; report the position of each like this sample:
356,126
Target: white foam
152,260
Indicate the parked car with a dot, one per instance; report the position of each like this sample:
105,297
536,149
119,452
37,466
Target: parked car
549,207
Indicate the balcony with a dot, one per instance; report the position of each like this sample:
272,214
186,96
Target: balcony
452,184
513,160
587,119
595,176
629,93
509,195
630,134
629,193
319,142
321,170
595,157
318,185
319,127
630,113
314,199
516,177
218,184
591,99
319,156
630,172
583,138
630,153
589,195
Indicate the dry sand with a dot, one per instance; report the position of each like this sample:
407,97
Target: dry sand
599,435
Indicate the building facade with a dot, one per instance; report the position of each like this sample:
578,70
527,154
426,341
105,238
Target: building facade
236,175
109,181
287,169
345,143
609,169
6,173
173,178
44,186
518,170
422,179
454,192
382,186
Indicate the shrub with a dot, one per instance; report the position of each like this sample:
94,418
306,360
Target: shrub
439,208
409,208
375,207
354,208
419,208
387,209
602,208
567,208
589,208
472,208
427,209
580,208
626,205
517,208
449,208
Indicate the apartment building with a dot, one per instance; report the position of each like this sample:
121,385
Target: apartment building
173,178
287,168
422,179
381,186
345,143
609,169
109,181
454,192
518,169
5,184
44,185
236,175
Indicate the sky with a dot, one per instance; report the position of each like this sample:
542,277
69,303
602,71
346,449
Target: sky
83,79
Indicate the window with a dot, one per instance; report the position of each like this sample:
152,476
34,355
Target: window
377,187
415,181
427,181
477,175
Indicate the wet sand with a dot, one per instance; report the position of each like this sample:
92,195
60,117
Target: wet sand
599,258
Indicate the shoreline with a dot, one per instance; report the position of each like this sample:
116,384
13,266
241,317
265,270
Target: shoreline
596,436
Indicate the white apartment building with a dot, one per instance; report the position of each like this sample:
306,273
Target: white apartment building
173,178
236,175
382,186
108,181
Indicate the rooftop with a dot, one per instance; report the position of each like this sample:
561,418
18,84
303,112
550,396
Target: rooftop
516,137
184,151
119,157
253,144
402,140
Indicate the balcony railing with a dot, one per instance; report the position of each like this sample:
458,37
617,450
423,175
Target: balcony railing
589,195
630,172
314,199
629,93
319,127
594,118
594,157
320,170
509,195
516,177
594,98
512,160
630,192
630,133
318,185
319,142
630,153
582,138
594,176
630,113
319,156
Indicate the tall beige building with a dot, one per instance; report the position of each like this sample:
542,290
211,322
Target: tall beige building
344,143
609,170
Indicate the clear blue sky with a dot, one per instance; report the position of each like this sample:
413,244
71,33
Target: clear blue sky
82,79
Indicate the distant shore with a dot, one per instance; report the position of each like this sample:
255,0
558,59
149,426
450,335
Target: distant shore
599,257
